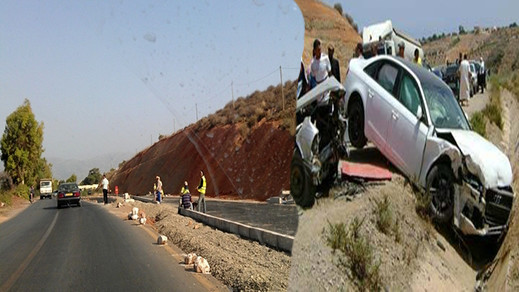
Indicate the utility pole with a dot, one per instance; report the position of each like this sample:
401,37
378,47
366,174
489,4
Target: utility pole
232,94
196,109
282,93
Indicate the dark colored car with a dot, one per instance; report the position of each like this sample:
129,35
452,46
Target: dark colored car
68,193
451,78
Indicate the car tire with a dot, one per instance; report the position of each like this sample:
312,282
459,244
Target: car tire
41,197
59,206
356,124
440,189
301,185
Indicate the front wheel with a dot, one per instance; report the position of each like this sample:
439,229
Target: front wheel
440,190
301,185
356,124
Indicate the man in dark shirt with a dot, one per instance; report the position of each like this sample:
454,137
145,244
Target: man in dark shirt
336,71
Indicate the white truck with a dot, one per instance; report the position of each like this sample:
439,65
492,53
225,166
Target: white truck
45,188
386,38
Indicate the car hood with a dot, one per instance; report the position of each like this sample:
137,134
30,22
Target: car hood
484,159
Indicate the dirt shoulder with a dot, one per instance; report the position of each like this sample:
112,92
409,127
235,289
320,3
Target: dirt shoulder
240,264
415,257
17,206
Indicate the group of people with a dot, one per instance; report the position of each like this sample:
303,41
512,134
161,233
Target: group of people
186,199
322,66
464,76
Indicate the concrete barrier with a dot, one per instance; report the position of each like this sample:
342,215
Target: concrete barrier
273,239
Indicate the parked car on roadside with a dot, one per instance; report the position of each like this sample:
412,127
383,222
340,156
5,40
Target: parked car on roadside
473,79
450,77
68,193
413,118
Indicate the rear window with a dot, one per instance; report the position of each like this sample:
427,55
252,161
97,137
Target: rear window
68,188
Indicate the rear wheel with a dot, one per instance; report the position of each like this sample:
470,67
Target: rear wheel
356,124
440,189
301,186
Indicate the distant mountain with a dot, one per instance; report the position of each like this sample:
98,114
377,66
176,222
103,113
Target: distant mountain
64,168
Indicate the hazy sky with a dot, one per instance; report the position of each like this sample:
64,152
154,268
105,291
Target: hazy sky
110,76
420,18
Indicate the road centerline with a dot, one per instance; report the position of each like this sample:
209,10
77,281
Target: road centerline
12,279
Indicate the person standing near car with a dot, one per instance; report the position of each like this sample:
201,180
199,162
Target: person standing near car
359,51
464,73
401,49
105,183
201,192
320,66
336,70
417,60
481,74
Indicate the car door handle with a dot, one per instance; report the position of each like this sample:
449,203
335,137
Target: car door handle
394,115
370,93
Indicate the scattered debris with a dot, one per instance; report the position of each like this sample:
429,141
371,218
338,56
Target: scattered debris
201,265
162,239
440,244
119,205
2,204
196,226
190,258
142,220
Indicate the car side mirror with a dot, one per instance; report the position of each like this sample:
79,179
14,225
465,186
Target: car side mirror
419,113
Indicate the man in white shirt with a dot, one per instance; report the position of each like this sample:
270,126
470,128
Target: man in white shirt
320,67
464,72
481,75
104,182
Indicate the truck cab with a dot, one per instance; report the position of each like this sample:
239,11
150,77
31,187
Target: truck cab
45,188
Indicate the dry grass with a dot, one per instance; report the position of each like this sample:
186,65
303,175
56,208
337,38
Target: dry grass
255,107
357,254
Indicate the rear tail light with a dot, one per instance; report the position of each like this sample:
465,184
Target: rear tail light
61,195
76,194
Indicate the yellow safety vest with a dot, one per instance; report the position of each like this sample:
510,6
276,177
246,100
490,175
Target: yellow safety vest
204,184
184,191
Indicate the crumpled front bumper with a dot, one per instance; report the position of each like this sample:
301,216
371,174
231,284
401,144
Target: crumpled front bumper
484,213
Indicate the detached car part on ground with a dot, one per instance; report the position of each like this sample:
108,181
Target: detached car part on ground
413,118
319,141
68,193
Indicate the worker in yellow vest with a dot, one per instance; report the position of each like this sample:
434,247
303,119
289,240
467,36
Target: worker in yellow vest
201,190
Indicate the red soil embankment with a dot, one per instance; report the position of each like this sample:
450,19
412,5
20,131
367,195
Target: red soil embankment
255,167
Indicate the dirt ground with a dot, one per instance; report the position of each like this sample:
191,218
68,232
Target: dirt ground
416,262
17,206
241,264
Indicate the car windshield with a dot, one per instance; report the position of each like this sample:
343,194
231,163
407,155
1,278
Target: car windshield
443,108
68,188
45,183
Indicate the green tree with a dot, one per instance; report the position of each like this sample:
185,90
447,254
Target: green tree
21,145
93,177
461,29
338,7
72,178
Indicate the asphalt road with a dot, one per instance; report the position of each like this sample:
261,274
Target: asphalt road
273,217
88,249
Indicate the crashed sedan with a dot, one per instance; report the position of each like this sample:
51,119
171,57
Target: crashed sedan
413,118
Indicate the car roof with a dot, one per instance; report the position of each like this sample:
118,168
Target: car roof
423,75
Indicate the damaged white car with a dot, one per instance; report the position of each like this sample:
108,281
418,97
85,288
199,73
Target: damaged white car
413,118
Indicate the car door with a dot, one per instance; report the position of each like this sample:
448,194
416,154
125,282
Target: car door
407,134
380,90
